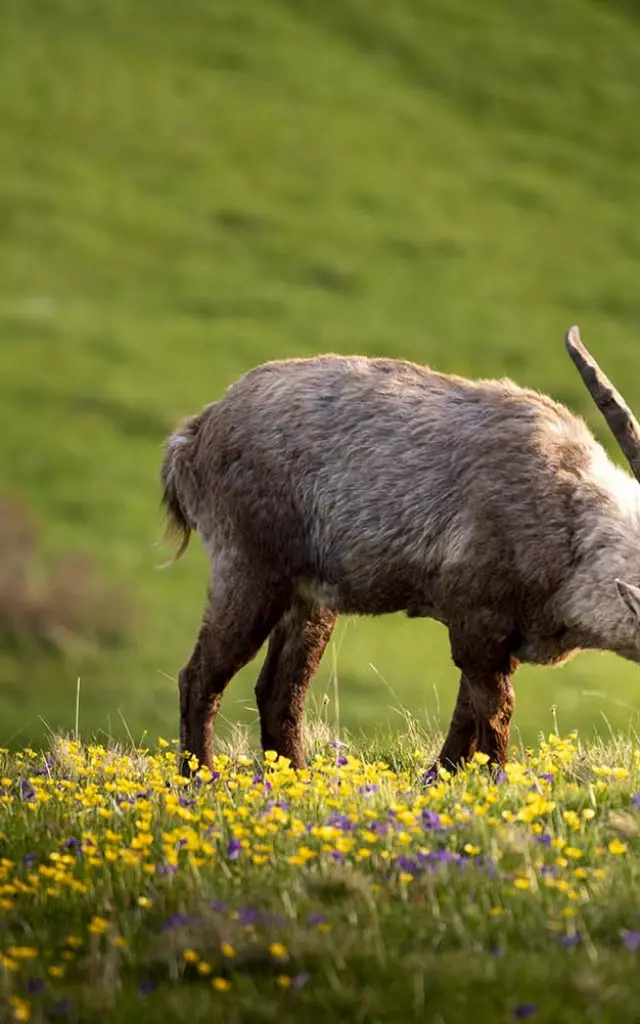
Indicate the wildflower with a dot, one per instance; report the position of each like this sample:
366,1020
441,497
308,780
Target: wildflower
227,950
56,971
278,951
221,984
480,758
204,968
190,956
144,902
98,926
284,981
617,847
525,1010
22,952
21,1009
632,941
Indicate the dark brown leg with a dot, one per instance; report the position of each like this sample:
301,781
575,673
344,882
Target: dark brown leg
461,738
487,664
494,701
295,649
243,608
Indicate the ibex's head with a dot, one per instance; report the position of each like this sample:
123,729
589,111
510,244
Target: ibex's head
623,426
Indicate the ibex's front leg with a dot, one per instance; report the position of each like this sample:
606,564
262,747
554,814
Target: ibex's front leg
244,606
461,738
482,716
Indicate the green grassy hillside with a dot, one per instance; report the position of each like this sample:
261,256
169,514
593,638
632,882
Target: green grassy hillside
185,192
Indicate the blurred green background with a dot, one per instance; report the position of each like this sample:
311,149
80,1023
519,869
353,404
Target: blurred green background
188,190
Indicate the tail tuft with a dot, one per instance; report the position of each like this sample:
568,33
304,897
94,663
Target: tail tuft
178,527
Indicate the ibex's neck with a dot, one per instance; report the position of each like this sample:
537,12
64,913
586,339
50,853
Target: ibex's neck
608,539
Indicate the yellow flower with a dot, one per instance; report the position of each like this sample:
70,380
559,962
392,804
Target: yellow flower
283,980
98,926
480,758
405,877
221,984
121,943
21,1009
204,968
22,952
190,956
522,883
144,902
227,950
56,971
278,951
496,911
617,847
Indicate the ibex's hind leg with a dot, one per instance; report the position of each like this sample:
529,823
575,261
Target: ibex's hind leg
244,606
461,738
295,649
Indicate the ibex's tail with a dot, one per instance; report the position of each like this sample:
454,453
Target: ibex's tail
177,486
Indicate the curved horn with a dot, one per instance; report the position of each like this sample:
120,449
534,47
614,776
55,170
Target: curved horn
622,423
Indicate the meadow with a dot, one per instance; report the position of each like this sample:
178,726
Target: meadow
360,889
182,197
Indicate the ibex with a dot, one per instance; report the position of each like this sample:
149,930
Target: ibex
358,485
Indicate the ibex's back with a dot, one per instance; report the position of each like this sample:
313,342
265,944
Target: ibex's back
373,485
380,483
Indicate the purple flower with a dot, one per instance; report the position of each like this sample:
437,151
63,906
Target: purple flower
430,820
233,849
632,941
315,919
567,941
547,776
175,921
407,865
337,743
35,985
29,858
27,792
501,777
635,800
544,839
299,980
341,761
70,843
369,788
166,869
219,906
248,915
525,1010
430,777
336,855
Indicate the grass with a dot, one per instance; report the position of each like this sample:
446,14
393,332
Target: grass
349,891
184,196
